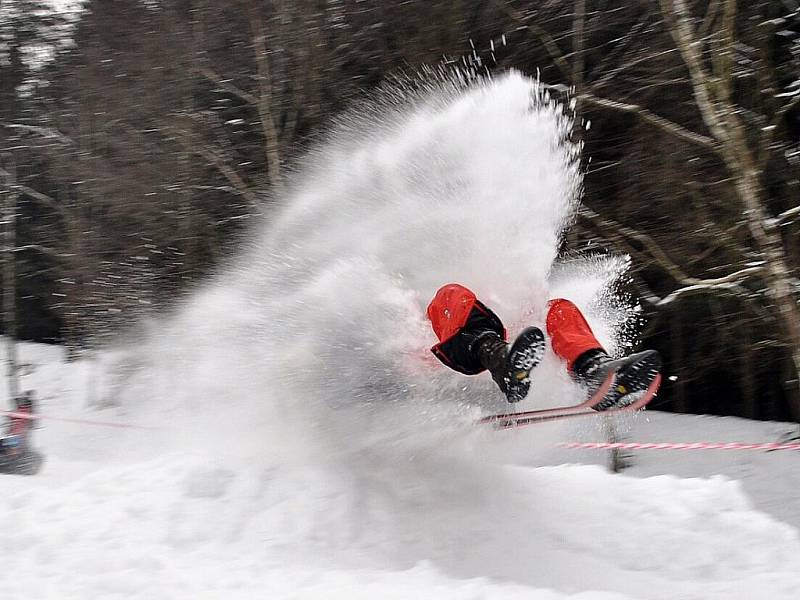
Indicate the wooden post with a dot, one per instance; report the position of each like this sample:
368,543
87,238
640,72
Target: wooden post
618,460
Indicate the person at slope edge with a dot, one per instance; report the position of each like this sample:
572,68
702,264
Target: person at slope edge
472,339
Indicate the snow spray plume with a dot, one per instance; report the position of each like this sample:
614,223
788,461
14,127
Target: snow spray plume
438,179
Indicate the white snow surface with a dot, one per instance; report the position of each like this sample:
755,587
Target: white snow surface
306,444
471,514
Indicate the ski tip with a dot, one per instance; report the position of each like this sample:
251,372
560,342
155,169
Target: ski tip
521,419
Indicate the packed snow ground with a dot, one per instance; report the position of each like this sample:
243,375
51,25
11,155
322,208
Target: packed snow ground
476,514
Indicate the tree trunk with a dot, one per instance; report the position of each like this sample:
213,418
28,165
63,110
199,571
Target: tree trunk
272,150
778,274
578,66
722,117
9,282
678,360
749,407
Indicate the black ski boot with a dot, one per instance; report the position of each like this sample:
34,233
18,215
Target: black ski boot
626,379
511,368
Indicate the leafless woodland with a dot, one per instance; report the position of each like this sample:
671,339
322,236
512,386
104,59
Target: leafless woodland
137,143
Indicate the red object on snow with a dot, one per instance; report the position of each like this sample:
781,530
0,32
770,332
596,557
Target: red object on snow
450,309
453,309
570,334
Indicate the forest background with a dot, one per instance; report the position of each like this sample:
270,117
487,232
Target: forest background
139,138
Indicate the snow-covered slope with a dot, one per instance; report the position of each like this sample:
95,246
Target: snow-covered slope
308,446
469,514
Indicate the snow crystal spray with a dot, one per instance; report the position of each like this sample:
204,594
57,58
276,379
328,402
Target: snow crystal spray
318,332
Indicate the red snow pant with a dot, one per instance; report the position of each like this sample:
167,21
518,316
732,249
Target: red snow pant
456,315
570,334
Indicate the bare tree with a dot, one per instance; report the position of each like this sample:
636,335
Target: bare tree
10,194
630,61
710,63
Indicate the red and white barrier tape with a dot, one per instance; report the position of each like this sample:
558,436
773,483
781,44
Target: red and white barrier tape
36,417
678,446
568,445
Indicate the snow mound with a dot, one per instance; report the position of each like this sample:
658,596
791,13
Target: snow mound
439,526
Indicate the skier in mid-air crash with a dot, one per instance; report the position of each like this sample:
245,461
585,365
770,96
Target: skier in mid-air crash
472,339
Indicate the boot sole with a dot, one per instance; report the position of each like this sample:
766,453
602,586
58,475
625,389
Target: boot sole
526,353
631,381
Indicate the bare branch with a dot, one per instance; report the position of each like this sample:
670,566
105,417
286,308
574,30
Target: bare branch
547,41
788,215
772,128
579,60
664,124
226,85
681,30
265,101
611,227
608,77
621,45
730,282
785,109
42,249
190,144
262,101
708,21
48,133
32,193
661,258
723,56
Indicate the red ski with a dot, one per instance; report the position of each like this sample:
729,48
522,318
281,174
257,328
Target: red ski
520,419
